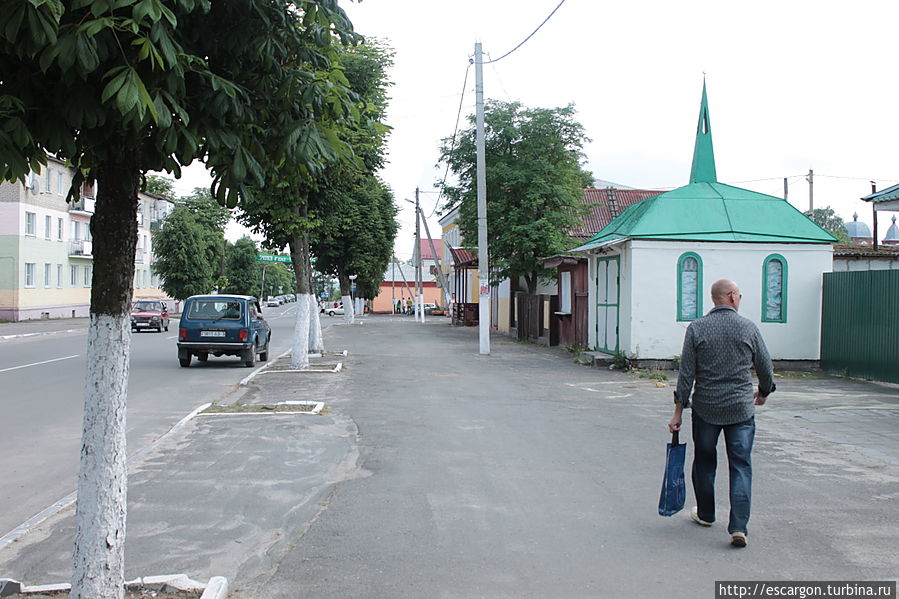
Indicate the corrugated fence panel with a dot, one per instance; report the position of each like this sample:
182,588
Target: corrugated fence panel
860,324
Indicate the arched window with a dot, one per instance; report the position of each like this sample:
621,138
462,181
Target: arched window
774,289
689,287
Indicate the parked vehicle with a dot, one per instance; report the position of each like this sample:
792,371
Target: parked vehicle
149,314
223,325
272,302
332,310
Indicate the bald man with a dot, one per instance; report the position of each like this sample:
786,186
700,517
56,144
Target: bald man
718,351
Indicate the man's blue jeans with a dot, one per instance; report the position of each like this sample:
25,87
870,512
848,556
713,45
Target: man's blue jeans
738,440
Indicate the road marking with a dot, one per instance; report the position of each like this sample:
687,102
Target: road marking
39,363
172,337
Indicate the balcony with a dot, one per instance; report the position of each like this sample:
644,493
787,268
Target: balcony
84,205
81,248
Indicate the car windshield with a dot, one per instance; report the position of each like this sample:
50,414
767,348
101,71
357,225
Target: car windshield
214,309
148,306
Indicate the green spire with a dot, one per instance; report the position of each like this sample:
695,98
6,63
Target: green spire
703,170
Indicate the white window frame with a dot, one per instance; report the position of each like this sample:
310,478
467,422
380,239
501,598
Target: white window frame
29,274
48,279
59,229
73,275
59,276
87,276
48,226
31,223
60,183
565,292
48,180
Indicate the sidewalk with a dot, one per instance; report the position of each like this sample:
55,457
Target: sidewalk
437,472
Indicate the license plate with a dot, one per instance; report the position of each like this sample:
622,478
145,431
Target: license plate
212,333
142,324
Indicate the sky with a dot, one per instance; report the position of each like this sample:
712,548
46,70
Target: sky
792,86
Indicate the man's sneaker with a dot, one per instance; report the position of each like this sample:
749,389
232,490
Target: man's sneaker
694,514
738,539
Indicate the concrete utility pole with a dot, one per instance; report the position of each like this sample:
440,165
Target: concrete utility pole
811,190
874,213
419,282
483,265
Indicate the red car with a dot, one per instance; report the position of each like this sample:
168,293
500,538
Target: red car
149,314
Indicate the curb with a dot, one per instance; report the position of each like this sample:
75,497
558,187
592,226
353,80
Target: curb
26,527
216,588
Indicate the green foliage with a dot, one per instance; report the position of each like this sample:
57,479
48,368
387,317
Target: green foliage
534,180
241,267
161,186
620,361
654,376
279,279
182,256
827,219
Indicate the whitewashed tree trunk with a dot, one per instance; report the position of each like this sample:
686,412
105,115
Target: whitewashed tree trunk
299,354
348,311
99,556
316,341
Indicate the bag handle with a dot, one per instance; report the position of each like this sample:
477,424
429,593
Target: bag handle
675,438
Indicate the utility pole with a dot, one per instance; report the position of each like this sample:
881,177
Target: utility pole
811,190
874,213
483,265
419,283
786,189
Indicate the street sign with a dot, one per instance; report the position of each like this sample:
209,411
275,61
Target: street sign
272,258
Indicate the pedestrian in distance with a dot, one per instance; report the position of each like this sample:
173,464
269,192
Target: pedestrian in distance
718,351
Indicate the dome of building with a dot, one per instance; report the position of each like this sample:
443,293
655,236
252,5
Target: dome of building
892,236
857,230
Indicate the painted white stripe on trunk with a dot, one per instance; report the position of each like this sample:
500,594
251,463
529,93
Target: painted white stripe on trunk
39,363
299,355
99,554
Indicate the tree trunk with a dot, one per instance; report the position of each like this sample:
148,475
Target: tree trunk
531,282
346,296
299,255
316,342
99,552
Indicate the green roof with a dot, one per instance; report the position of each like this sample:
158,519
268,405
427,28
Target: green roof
706,210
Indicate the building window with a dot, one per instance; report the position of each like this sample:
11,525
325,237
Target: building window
48,180
689,287
87,276
76,230
30,223
59,228
47,275
48,226
60,184
29,274
73,275
774,289
59,275
565,288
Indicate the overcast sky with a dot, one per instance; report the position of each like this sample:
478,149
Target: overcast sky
791,85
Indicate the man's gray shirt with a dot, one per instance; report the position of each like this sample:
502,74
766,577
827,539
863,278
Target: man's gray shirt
719,349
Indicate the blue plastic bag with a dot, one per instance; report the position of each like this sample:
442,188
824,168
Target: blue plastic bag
674,490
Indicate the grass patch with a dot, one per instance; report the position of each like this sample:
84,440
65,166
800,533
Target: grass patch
240,408
653,376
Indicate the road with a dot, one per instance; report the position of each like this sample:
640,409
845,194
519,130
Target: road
42,382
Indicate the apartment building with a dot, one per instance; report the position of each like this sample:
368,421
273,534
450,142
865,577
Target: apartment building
46,247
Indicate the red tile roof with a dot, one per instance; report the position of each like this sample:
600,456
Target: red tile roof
863,251
599,212
426,249
463,257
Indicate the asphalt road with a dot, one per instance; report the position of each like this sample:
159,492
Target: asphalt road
41,397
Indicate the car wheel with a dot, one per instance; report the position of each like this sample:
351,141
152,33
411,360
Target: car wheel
249,357
331,313
263,355
202,357
185,362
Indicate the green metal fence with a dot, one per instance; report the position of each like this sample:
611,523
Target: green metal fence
860,324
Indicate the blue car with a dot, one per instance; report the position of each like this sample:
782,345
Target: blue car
223,325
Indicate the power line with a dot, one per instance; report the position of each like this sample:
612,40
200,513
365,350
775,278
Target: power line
524,41
455,133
